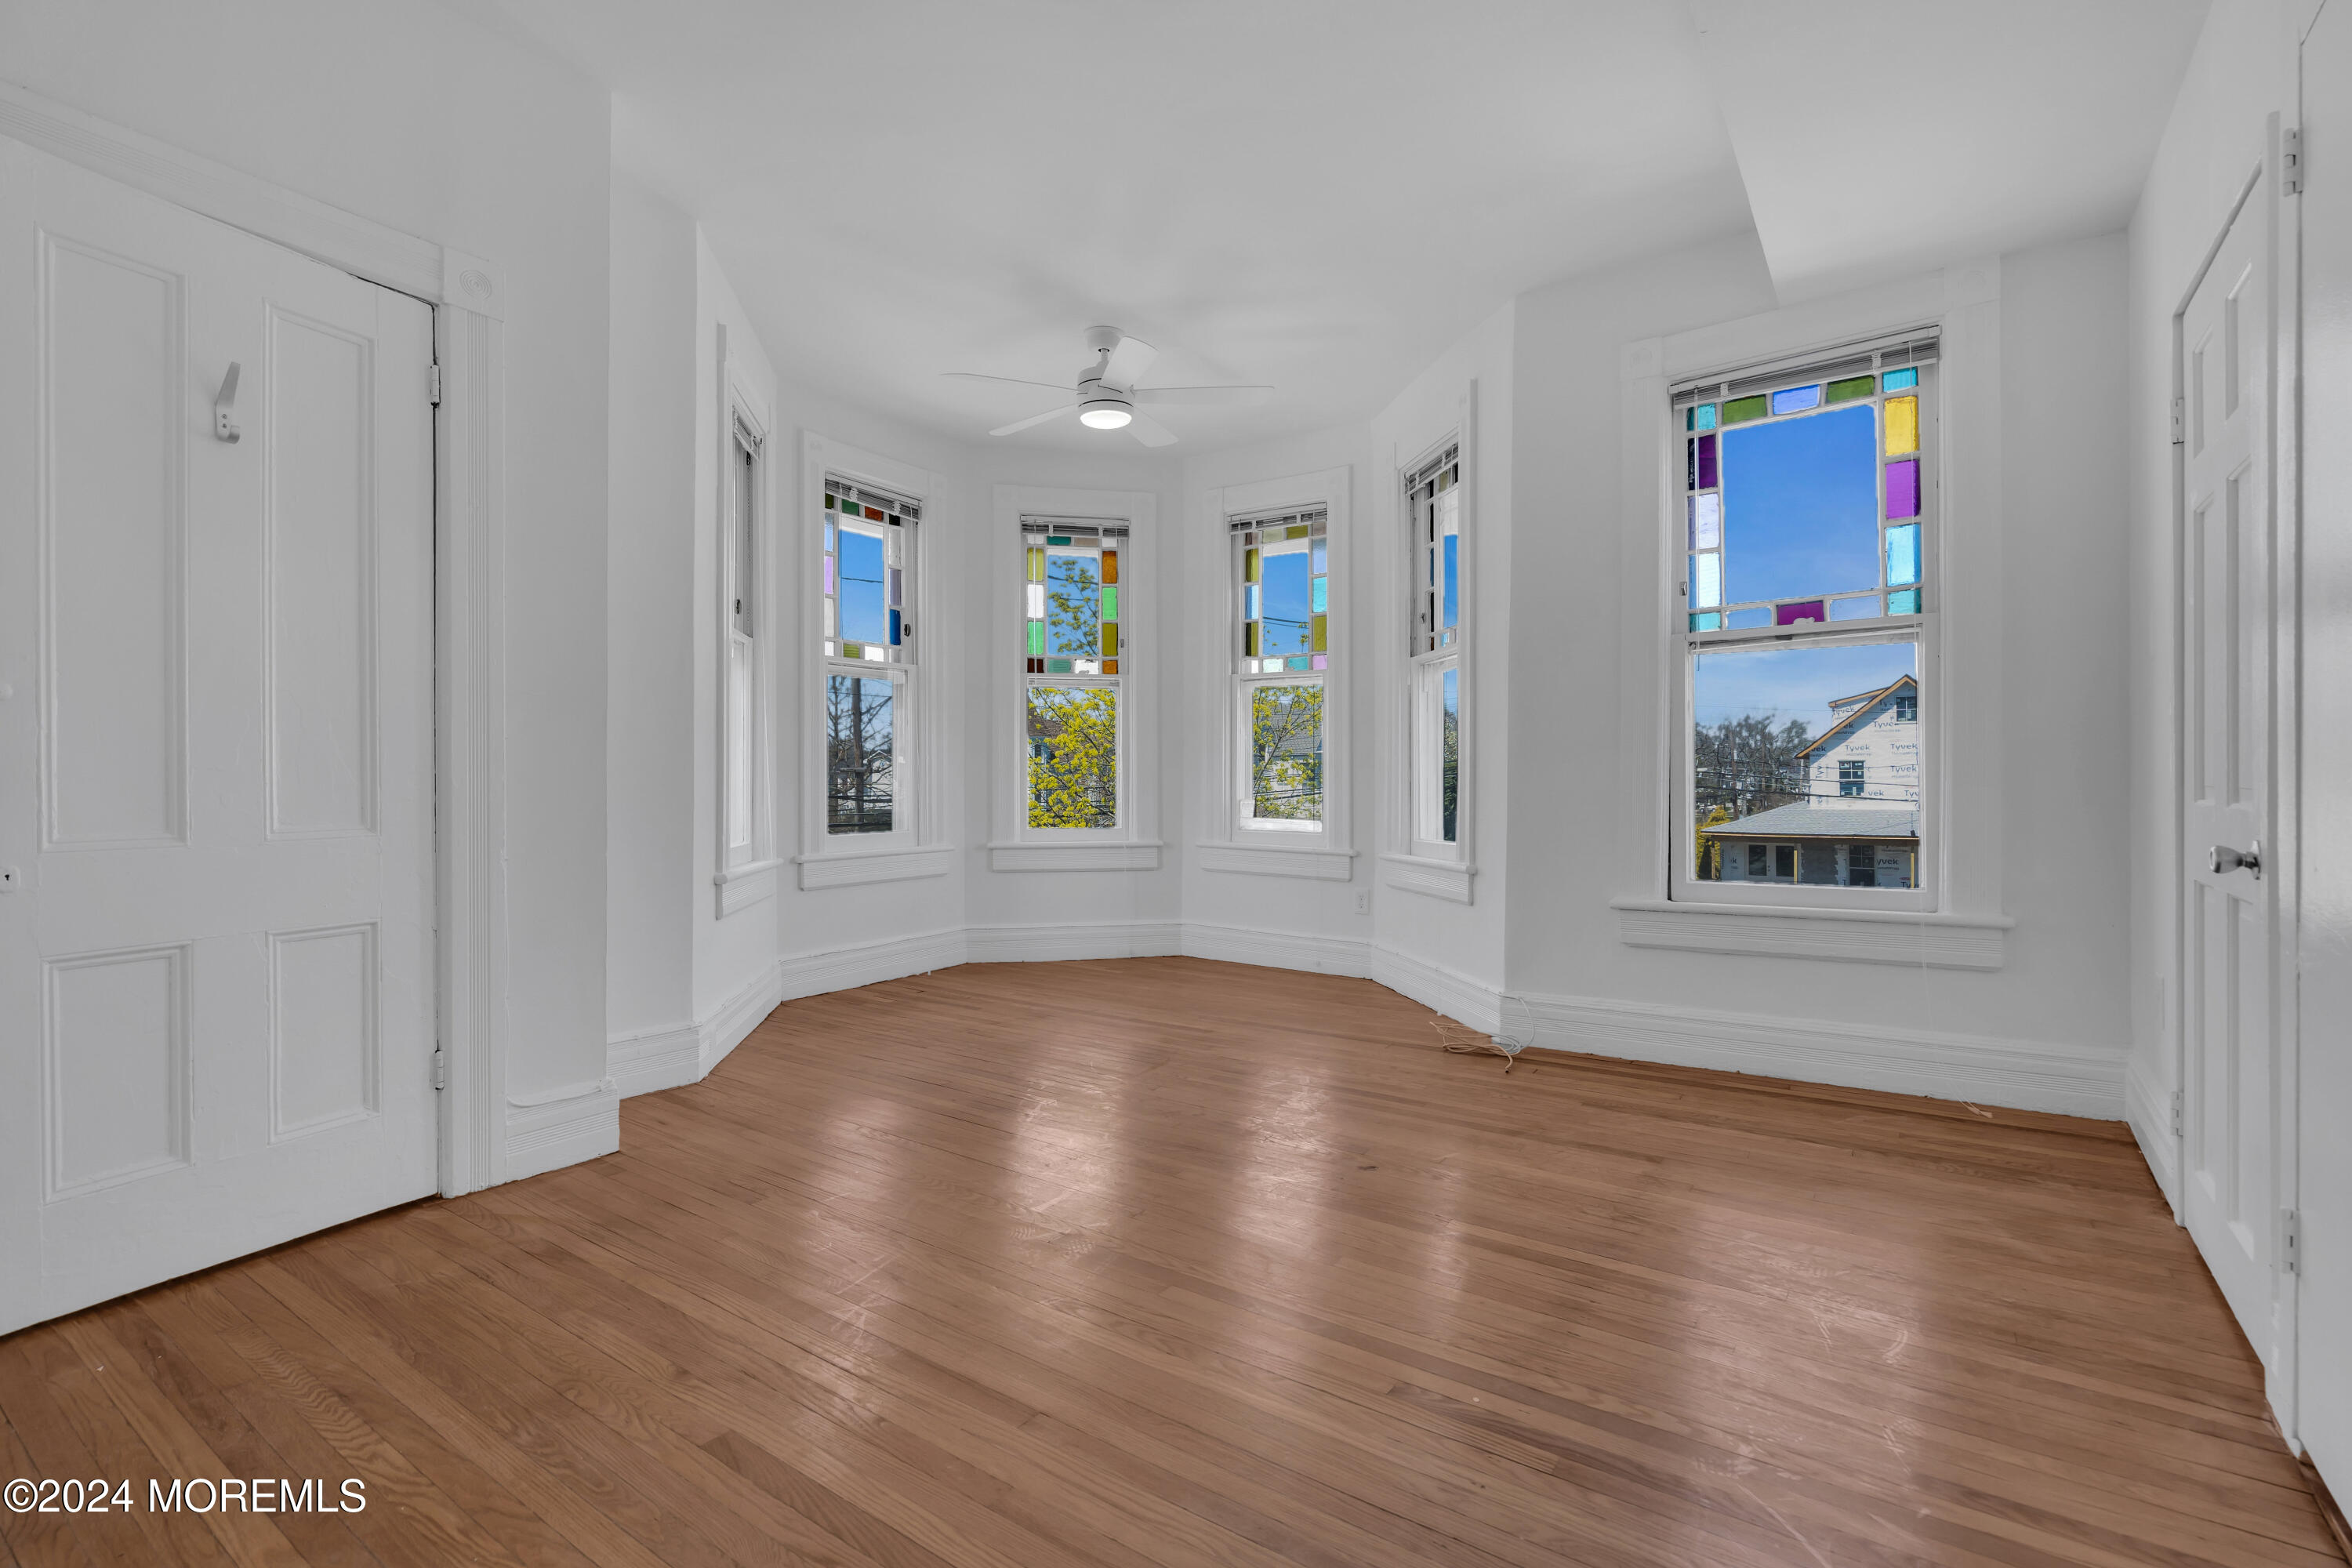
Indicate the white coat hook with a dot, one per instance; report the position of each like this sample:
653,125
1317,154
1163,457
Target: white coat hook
224,427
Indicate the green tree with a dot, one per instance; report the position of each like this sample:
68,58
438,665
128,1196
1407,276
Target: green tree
1073,756
1073,608
1286,751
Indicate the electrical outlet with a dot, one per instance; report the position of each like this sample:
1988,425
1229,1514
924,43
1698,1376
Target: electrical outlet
1363,900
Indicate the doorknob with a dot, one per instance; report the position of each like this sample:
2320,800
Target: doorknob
2224,859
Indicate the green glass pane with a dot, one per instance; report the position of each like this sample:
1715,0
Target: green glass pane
1057,667
1058,538
1740,410
1709,622
828,503
853,650
1905,603
1036,640
1322,624
1896,379
1110,600
1852,387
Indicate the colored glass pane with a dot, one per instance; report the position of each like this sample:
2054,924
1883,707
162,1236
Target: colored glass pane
1800,507
1690,465
1706,522
853,650
1740,410
1790,614
1110,565
1110,667
1903,488
1322,594
1860,609
1754,616
1057,667
863,615
1896,379
1855,386
1710,621
1295,531
1296,661
828,533
1058,538
1902,426
1249,602
1322,626
1110,639
897,588
876,514
1111,602
1706,580
1320,661
1249,565
1036,566
1703,416
1706,462
1903,553
1450,609
1322,556
828,574
1905,603
1796,399
1037,639
1249,639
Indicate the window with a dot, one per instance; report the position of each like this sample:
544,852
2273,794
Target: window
1804,523
1433,578
1074,682
1281,576
739,588
866,640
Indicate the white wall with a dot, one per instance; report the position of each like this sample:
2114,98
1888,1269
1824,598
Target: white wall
2242,72
442,129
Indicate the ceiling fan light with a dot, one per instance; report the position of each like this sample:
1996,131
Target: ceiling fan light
1106,416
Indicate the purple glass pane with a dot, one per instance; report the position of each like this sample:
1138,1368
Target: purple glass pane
1903,488
1790,614
828,574
896,582
1706,462
1690,465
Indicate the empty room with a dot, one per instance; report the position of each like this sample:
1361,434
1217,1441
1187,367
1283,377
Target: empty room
1037,783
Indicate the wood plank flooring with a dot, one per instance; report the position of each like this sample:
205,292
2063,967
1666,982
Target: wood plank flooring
1167,1262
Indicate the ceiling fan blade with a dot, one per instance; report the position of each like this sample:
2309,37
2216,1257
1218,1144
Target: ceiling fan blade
1232,396
1032,419
1130,360
1003,380
1150,432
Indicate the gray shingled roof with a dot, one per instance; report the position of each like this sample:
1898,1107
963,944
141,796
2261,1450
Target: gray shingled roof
1806,820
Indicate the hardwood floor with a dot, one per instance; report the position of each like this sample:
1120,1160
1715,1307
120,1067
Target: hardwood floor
1162,1261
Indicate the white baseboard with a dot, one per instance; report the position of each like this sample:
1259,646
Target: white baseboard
736,1016
1278,950
1051,943
1440,989
846,968
563,1132
2025,1075
2147,1106
657,1059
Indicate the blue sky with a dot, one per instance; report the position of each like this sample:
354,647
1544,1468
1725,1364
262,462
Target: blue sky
864,616
1801,506
1794,682
1288,583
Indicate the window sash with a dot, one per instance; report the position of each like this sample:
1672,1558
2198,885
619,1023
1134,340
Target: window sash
1122,725
1259,541
1431,834
901,768
1246,689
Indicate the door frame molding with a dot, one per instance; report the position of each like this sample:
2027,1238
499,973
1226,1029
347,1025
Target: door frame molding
469,297
2264,183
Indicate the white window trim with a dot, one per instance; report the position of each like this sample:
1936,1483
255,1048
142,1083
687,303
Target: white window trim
1322,854
921,848
1135,844
1414,865
745,873
1963,926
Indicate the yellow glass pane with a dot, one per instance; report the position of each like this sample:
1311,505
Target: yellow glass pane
1036,566
1902,425
1110,639
1249,565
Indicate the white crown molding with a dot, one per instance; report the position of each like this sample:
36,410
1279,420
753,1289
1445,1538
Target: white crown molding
855,868
2078,1080
1448,879
1141,855
1267,860
1854,936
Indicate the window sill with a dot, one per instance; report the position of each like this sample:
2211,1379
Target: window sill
1142,854
1910,939
1438,879
852,867
1273,860
740,887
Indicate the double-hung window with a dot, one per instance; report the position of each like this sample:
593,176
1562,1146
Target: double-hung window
1281,565
866,641
1434,574
1074,680
1805,523
744,682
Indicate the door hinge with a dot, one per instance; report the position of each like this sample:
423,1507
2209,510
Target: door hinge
2289,1242
440,1068
432,383
2179,420
2178,1129
2290,160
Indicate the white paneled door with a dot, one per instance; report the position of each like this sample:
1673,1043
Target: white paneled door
2229,909
215,742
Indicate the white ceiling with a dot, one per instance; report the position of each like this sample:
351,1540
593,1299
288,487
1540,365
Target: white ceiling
1322,194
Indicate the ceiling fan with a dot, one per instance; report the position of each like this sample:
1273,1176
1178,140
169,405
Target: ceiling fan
1107,396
